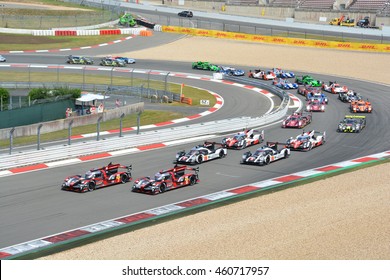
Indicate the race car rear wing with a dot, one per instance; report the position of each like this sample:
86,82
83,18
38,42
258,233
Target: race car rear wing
274,145
354,117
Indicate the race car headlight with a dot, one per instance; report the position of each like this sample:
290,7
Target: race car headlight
243,156
322,107
307,107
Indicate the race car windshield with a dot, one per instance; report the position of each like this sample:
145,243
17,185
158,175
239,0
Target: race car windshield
158,177
303,138
258,153
193,152
349,121
238,137
89,175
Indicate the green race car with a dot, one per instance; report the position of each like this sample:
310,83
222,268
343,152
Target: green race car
72,59
127,20
308,80
203,65
112,62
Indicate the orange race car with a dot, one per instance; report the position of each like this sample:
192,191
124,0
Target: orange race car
361,106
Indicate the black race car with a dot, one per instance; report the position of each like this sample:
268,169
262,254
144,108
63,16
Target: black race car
72,59
352,123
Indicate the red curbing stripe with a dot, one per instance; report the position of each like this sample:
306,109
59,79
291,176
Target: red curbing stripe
164,123
228,82
66,236
194,117
328,168
250,87
288,178
29,168
95,156
365,159
180,75
243,189
193,202
152,146
213,109
134,218
4,255
76,136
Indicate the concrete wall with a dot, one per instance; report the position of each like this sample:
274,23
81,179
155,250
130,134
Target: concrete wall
62,124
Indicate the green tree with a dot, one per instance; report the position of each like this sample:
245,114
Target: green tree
4,97
38,93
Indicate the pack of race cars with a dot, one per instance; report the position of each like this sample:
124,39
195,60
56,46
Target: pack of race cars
183,173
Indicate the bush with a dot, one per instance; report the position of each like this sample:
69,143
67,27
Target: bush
38,93
4,96
42,93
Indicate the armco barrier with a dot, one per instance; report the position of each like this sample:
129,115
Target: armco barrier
277,40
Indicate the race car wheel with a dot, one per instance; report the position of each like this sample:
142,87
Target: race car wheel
163,188
124,178
192,180
267,160
286,155
91,186
199,159
243,145
310,147
222,154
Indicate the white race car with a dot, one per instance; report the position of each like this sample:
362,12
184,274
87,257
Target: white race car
266,154
334,87
201,153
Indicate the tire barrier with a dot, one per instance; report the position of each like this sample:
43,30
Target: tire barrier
110,32
146,33
43,33
65,33
88,32
93,32
158,28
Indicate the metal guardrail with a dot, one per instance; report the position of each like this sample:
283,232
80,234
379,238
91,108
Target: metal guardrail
61,152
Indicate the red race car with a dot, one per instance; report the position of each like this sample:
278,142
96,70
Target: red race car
307,141
315,105
98,178
169,179
261,74
334,88
241,140
297,120
308,89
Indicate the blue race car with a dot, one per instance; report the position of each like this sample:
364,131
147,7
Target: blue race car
280,73
284,84
230,71
316,95
127,60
